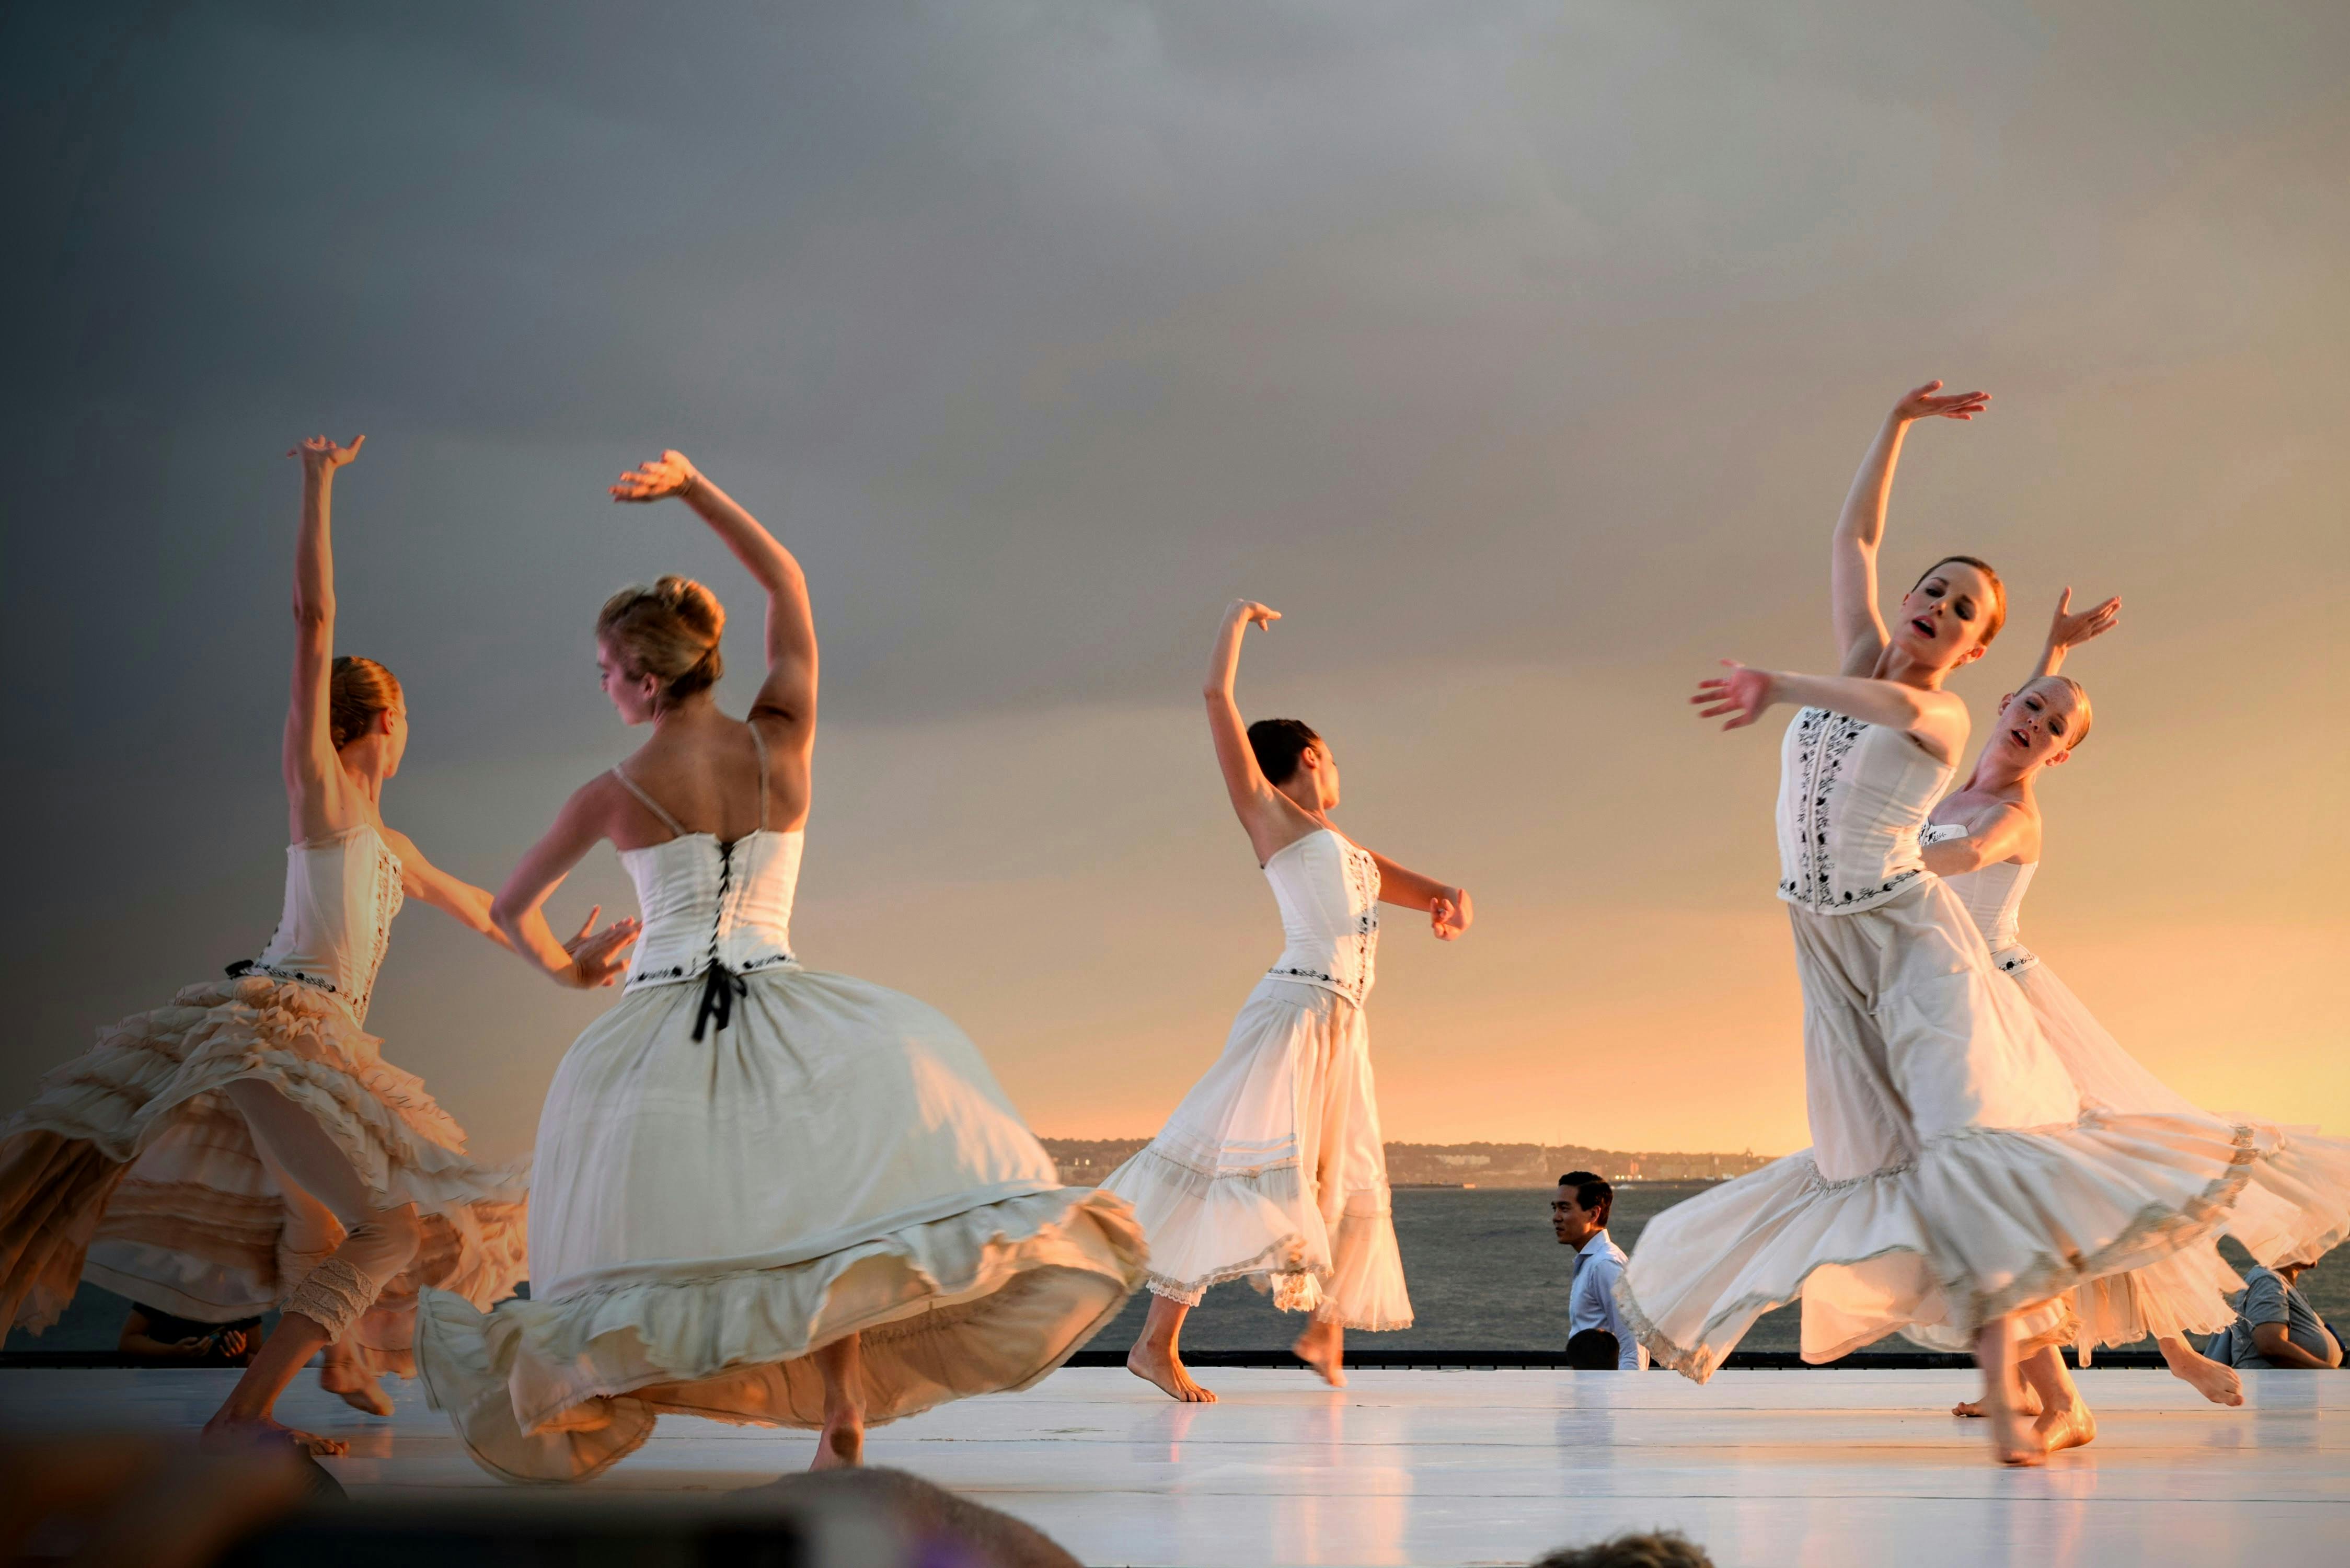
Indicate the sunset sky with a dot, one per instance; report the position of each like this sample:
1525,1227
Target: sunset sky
1520,354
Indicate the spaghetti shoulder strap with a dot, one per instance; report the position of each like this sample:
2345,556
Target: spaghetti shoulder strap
649,802
759,744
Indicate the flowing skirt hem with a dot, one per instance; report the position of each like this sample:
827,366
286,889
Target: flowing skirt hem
1920,1283
981,1301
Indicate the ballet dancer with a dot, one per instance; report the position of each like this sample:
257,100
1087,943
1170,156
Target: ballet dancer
1957,1188
765,1193
1986,840
248,1147
1272,1165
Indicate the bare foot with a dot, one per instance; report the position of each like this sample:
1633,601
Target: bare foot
222,1432
2066,1426
342,1376
841,1445
2012,1439
2027,1404
2213,1380
1153,1365
1321,1348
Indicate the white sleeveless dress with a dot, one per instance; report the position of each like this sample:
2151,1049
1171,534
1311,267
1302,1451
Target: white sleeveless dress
744,1160
1271,1167
133,1170
1955,1175
2296,1205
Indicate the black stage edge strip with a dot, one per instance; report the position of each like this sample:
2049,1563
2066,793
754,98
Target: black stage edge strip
1356,1360
1533,1360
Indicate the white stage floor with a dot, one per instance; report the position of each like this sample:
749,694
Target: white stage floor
1823,1469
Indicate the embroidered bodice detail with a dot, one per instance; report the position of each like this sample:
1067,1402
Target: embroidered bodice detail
1993,895
1853,797
341,894
1328,891
713,912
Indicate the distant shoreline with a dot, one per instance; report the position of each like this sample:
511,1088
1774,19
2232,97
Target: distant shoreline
1087,1161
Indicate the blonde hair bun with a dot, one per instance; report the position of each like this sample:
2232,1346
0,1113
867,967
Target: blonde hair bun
359,691
669,631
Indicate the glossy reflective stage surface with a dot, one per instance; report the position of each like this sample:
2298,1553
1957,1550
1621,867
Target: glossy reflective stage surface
1816,1467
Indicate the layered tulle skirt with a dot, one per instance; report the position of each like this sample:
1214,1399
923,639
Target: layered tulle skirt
1956,1173
2295,1207
1273,1168
132,1169
837,1160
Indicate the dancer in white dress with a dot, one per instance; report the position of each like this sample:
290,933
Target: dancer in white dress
1956,1189
248,1147
1272,1167
765,1193
1986,840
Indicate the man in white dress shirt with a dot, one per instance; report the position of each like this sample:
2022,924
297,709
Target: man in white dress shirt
1578,1216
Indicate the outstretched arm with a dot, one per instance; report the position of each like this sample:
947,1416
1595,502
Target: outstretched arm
786,698
519,909
1997,833
1936,718
1447,907
1859,626
2067,631
1272,820
313,777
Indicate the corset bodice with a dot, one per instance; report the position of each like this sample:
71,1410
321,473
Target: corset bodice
1994,897
1328,891
341,894
705,903
1853,797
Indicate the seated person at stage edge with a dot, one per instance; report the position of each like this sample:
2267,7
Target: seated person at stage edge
2276,1327
1578,1217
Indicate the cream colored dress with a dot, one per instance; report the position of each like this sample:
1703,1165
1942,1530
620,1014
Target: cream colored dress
1271,1167
1955,1174
2297,1206
744,1160
131,1169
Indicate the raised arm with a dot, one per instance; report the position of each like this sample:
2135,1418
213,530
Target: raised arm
1272,820
1859,627
1936,718
1447,907
787,699
519,911
2001,831
2067,631
314,795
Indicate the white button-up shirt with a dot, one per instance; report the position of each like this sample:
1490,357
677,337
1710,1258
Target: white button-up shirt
1591,1300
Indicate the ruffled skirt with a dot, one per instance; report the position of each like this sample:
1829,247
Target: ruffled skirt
837,1160
1273,1168
133,1170
2296,1205
1955,1175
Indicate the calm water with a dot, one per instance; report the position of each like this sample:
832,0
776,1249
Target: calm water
1484,1273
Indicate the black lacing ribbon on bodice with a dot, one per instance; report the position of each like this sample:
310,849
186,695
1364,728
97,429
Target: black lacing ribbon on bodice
720,985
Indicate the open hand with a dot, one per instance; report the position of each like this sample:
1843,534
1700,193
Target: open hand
1448,918
1743,695
670,473
1252,612
1922,403
320,454
2069,630
601,958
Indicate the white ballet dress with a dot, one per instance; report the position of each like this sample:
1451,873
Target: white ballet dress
1271,1167
745,1160
2295,1207
1955,1175
133,1170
